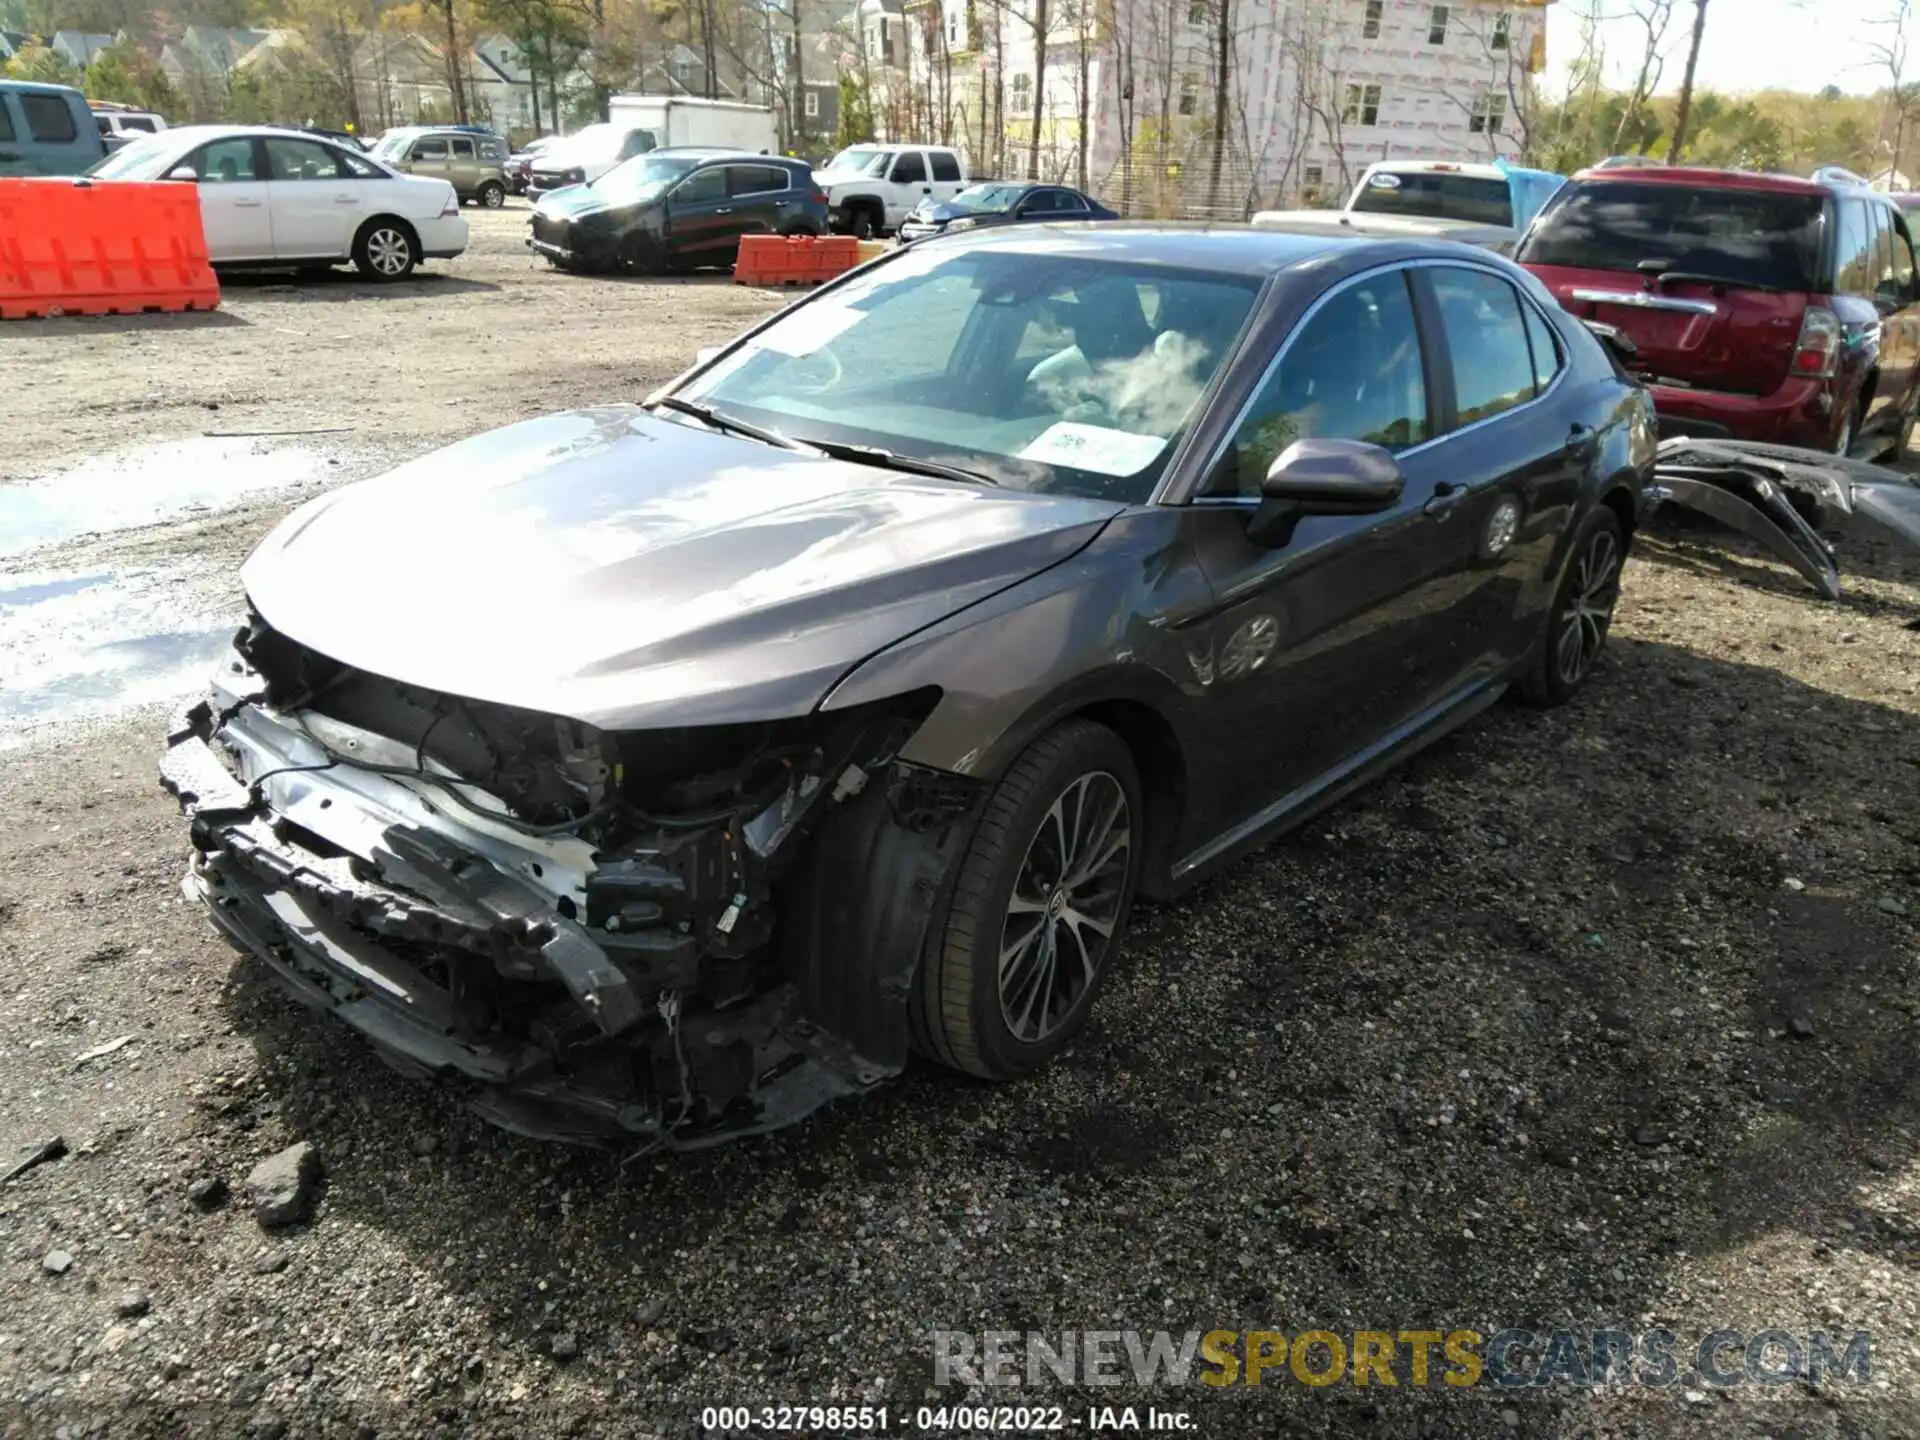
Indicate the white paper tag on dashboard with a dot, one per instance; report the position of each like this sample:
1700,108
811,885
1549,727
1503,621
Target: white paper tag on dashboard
1095,448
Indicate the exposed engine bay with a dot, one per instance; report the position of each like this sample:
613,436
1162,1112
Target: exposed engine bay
1780,496
663,937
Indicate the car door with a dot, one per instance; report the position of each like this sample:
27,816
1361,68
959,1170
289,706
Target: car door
463,165
1329,645
760,199
429,155
1037,205
233,199
315,205
907,185
1894,294
700,215
1515,456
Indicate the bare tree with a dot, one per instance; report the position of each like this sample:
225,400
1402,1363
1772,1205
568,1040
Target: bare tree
1679,144
1655,16
1222,92
1890,56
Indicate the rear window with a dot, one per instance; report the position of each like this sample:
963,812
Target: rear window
48,117
1748,237
1441,197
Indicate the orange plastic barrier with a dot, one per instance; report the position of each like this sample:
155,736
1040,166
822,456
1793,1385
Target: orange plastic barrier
794,260
116,247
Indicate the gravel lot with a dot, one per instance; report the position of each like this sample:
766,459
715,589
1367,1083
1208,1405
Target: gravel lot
1605,1017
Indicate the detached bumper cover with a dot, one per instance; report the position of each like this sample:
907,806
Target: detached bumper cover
420,926
1776,494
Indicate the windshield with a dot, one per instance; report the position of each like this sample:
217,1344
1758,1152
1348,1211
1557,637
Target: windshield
988,199
138,159
860,160
641,178
391,143
1437,196
1751,237
1038,370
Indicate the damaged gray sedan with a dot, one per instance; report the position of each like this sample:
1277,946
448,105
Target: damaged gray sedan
655,774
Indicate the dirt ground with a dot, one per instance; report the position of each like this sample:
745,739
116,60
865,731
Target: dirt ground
1605,1017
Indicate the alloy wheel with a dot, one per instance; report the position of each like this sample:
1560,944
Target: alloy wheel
1588,610
493,197
389,251
1066,901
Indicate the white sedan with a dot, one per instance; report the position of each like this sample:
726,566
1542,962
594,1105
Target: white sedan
282,197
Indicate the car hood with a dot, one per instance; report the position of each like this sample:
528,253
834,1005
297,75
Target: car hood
573,202
634,572
939,212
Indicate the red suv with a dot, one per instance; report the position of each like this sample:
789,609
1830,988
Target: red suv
1759,307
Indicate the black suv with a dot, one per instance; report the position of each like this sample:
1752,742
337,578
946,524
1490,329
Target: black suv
677,209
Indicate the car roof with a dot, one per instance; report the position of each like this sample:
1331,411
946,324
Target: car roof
1229,248
1703,176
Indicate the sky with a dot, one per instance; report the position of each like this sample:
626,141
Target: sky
1749,45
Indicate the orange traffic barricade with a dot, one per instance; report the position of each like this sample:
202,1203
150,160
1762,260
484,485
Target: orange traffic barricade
794,259
116,247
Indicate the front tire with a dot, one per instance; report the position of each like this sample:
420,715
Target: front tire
385,250
1582,612
861,223
1039,907
492,195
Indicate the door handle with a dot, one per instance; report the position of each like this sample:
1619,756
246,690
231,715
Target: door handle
1446,495
724,210
246,204
781,204
345,200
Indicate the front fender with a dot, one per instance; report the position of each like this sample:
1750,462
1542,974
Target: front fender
1109,627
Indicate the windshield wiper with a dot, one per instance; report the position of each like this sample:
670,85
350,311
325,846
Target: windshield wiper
890,460
1700,277
720,420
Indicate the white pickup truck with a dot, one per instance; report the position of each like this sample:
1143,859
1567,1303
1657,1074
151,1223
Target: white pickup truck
872,188
1488,205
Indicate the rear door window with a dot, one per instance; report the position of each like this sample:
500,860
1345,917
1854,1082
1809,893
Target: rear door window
755,179
702,186
1493,366
462,149
48,118
1750,237
909,169
945,166
226,162
1546,348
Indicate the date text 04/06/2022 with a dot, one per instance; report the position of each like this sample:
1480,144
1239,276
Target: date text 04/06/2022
935,1419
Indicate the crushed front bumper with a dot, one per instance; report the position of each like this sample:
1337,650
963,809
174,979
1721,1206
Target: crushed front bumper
449,941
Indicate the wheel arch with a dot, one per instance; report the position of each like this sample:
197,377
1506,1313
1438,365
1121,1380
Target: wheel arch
1139,706
387,217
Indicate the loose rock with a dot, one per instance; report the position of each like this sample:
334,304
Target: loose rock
132,1304
208,1193
282,1186
56,1262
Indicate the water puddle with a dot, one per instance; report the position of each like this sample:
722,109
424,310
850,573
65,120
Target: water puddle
94,644
166,480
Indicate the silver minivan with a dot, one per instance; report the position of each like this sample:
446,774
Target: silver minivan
473,162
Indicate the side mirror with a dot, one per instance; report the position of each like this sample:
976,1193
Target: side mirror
184,174
1323,477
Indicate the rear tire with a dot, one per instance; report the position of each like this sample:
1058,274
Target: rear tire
386,250
1039,907
1582,613
862,225
491,195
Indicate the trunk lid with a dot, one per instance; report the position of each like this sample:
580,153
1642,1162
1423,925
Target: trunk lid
1710,282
